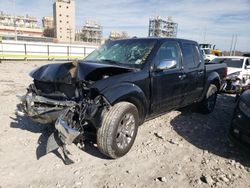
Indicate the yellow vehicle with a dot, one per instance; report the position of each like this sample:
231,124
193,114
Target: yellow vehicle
212,47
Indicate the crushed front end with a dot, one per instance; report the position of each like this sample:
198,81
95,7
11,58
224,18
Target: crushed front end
71,105
43,109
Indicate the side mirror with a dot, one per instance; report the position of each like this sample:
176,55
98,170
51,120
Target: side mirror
166,64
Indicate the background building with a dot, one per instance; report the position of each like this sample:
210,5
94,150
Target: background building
64,20
91,32
19,26
48,22
48,27
114,35
159,27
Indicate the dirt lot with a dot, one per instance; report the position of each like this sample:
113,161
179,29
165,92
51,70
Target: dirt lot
179,149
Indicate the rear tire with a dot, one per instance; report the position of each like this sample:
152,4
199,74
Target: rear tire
118,131
207,105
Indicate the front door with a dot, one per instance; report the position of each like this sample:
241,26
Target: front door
166,89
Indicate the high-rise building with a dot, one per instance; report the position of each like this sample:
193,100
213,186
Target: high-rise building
64,20
159,27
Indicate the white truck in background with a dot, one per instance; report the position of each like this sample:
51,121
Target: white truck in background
238,74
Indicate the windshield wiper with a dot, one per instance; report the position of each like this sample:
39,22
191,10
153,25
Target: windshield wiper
111,61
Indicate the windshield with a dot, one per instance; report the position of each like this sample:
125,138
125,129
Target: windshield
207,51
231,62
128,52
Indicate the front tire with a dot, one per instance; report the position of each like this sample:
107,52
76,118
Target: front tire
118,131
207,105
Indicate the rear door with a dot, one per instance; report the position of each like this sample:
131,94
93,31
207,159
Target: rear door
195,71
167,85
247,70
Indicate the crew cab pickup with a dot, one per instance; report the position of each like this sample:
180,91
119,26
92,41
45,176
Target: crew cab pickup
118,87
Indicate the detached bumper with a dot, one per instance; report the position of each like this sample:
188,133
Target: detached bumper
65,132
44,110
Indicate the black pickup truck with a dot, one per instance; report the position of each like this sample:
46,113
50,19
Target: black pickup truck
119,86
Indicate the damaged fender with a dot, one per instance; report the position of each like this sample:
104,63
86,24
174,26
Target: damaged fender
128,92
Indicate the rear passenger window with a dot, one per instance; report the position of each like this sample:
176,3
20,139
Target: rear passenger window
191,55
197,56
247,62
168,51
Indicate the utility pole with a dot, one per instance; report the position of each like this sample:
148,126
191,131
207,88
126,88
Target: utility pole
14,7
231,46
70,39
235,42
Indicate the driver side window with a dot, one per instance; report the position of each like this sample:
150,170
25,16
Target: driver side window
167,52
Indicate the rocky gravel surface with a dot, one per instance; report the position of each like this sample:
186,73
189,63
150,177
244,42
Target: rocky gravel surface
179,149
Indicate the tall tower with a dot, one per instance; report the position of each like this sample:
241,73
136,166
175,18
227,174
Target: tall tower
64,20
159,27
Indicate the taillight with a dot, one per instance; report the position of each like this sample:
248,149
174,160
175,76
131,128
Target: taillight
225,73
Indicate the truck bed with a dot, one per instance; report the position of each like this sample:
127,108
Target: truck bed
220,68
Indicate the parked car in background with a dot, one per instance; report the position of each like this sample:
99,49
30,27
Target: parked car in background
238,75
240,127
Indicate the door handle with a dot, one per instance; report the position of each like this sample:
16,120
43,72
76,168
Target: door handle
181,77
200,72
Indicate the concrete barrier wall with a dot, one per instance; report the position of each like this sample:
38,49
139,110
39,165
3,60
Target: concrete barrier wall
37,50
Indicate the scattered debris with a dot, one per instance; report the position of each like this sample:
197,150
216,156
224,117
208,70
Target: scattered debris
78,184
224,179
207,179
159,135
161,179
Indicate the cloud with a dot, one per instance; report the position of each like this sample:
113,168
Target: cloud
218,19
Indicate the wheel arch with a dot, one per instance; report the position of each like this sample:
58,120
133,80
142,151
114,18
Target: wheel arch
213,78
129,93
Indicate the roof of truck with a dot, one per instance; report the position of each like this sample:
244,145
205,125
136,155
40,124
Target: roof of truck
160,39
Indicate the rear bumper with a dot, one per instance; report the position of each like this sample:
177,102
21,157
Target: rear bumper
43,110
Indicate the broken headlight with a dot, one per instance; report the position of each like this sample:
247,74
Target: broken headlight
233,76
245,108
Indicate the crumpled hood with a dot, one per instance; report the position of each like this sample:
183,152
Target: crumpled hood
70,72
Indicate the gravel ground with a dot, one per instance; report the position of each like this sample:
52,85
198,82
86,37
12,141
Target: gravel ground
178,149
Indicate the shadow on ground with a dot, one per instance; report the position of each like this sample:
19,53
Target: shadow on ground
25,123
210,132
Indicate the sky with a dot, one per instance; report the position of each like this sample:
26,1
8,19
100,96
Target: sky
205,21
